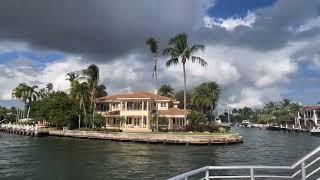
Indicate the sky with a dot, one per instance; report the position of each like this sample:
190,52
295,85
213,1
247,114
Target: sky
257,51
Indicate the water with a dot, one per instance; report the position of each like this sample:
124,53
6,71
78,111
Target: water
23,157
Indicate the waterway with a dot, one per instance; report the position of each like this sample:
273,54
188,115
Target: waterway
23,157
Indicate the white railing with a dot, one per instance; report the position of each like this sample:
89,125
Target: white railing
302,164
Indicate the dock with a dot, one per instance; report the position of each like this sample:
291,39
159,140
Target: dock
27,130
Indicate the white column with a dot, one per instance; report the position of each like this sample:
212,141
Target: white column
304,118
148,105
315,116
142,105
126,105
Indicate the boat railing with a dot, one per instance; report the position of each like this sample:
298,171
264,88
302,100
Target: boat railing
300,167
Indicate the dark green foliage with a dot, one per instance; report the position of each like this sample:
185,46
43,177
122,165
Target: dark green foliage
167,91
99,120
58,109
179,97
39,110
195,118
9,115
203,127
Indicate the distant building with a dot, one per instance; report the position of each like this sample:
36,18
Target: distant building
309,117
137,109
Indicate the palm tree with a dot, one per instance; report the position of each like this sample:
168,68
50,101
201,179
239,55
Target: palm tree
92,76
154,48
81,93
72,78
101,91
27,94
32,96
167,91
180,51
21,92
206,96
49,87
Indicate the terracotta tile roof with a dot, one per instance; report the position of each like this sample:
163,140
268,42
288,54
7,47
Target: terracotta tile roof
311,108
174,112
134,95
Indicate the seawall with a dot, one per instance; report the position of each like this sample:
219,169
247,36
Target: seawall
164,138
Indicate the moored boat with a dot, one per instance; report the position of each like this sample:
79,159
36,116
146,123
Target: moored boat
315,132
273,127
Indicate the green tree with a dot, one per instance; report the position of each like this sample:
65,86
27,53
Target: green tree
154,48
73,79
91,74
196,118
167,91
205,97
63,110
179,96
181,51
27,94
101,91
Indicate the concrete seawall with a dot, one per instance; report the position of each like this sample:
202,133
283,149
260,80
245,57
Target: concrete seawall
164,138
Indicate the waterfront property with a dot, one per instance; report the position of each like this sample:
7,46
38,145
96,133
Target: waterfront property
135,111
309,117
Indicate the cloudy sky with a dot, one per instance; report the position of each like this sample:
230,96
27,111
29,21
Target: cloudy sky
256,50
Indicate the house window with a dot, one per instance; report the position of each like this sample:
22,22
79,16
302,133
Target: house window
174,121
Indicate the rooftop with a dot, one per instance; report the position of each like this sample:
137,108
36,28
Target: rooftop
135,95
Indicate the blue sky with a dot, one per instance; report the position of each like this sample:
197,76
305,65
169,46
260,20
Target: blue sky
239,8
252,49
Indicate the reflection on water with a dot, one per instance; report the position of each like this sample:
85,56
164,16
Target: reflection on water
24,157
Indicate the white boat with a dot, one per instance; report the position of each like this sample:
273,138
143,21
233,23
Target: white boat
315,132
245,123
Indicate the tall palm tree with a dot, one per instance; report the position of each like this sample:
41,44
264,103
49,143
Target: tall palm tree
27,94
82,94
167,91
32,96
92,76
181,51
72,78
154,48
21,92
206,96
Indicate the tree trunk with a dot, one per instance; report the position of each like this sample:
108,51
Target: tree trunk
185,92
157,109
85,114
28,111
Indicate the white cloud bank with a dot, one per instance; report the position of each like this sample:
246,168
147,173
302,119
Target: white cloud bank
230,23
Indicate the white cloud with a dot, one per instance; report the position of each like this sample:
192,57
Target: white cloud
230,23
308,25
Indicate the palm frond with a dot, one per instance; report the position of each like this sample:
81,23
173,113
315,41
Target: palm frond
170,51
199,60
172,61
153,45
195,48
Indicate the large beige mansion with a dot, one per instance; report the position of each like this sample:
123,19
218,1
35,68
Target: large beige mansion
137,109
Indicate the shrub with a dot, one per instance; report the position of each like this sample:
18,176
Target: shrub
210,128
196,118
